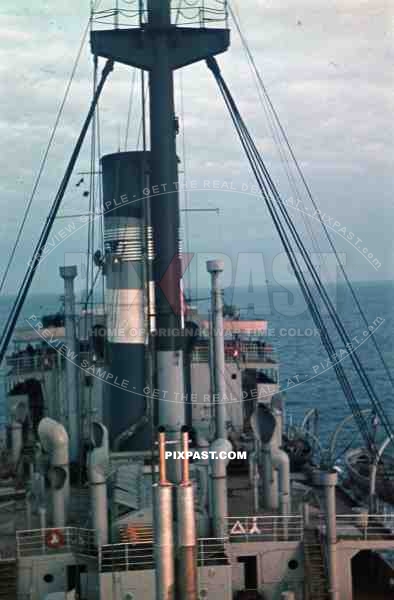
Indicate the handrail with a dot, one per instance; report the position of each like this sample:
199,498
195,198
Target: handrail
278,528
365,525
72,539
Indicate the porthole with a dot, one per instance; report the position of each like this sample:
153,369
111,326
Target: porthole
293,564
48,578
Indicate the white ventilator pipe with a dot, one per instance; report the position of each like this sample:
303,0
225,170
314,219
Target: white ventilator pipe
328,480
54,440
281,462
254,477
18,413
215,267
270,480
72,370
98,468
218,474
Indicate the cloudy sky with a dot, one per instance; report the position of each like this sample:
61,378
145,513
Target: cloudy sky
328,67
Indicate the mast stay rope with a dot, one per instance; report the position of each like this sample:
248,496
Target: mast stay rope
36,259
293,244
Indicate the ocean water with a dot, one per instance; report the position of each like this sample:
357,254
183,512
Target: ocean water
305,379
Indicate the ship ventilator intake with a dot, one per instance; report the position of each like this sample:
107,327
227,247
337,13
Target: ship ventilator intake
98,469
54,440
267,428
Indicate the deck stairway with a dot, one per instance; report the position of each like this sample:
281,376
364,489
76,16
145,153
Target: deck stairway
8,579
315,571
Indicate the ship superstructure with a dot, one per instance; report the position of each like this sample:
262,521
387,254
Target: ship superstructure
100,402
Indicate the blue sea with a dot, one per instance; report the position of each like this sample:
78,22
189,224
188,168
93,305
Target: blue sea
292,334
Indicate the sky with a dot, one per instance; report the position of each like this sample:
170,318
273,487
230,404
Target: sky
327,67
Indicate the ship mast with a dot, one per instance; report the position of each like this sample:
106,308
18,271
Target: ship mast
160,47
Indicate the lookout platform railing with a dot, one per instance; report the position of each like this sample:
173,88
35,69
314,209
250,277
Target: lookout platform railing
134,13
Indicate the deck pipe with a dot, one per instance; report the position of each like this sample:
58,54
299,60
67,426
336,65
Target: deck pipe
202,474
328,481
163,529
125,405
18,413
215,268
72,361
374,472
254,478
98,468
54,440
187,586
281,462
218,476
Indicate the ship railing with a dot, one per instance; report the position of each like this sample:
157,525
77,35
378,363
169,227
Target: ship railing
47,362
272,528
211,552
35,362
362,525
52,540
126,557
247,353
134,13
140,555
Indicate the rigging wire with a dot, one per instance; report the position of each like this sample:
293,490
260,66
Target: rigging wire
308,190
185,192
44,158
130,109
267,187
40,246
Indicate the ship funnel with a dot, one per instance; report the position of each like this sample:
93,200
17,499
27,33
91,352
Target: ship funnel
98,466
54,440
125,238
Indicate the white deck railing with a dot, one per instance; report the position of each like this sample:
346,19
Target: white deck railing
126,557
265,528
211,552
55,540
140,555
365,526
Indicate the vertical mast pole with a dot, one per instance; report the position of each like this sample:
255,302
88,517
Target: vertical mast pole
165,221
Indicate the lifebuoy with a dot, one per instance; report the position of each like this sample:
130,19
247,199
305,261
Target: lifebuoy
54,538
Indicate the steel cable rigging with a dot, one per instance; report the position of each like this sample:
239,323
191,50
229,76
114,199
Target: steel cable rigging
281,132
275,204
44,160
39,249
